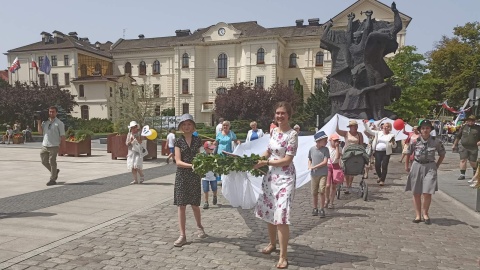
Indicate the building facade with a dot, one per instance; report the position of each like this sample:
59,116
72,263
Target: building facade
189,69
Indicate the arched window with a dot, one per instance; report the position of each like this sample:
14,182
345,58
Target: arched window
185,60
83,70
261,56
142,68
156,67
98,69
293,60
84,112
319,59
222,66
128,68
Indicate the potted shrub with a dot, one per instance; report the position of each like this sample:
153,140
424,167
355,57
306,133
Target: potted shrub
18,138
76,143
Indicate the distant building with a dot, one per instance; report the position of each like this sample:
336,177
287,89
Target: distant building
189,69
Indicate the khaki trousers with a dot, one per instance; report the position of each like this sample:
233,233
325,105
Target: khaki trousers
49,160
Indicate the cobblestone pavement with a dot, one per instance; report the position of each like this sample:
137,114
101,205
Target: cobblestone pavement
377,234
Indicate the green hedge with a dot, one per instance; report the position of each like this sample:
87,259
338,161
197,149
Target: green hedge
96,125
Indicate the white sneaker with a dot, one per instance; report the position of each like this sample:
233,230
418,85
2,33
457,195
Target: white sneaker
474,184
472,180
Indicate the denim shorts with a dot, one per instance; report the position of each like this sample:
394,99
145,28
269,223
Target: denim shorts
207,184
172,150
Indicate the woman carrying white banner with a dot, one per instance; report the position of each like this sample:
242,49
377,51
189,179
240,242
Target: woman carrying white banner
274,205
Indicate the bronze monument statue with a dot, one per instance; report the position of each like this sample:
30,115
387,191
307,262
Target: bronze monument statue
357,82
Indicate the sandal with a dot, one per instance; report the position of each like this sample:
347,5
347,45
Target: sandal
182,240
269,249
133,182
201,233
282,263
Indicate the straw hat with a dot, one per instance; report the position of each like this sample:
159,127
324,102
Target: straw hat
352,123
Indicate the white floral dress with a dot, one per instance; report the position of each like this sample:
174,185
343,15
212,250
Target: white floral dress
278,184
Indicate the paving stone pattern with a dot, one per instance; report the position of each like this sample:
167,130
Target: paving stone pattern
377,234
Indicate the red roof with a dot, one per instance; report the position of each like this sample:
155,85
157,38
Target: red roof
4,75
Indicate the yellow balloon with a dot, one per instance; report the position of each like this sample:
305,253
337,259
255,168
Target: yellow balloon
153,136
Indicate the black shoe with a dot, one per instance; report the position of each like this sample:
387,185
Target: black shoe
214,200
417,220
461,177
315,212
428,221
51,183
322,213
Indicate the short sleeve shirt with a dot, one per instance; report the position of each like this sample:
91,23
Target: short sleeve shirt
316,156
52,132
171,140
225,141
424,151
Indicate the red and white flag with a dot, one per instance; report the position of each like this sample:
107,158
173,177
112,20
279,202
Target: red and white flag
15,65
34,64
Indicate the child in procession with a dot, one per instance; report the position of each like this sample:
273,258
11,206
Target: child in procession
317,164
209,180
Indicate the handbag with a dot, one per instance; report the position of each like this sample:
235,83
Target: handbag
140,148
337,173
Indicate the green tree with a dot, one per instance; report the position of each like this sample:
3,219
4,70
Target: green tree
3,83
168,112
455,62
22,101
318,104
417,86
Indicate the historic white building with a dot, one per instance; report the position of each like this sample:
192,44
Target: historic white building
189,69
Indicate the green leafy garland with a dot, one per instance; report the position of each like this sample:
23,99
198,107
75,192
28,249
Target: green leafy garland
220,164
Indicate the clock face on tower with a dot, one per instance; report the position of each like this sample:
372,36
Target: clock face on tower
221,31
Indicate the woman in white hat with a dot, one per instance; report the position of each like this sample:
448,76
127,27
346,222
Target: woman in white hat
187,190
134,158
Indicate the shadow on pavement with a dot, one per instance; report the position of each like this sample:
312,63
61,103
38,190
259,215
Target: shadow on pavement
447,222
25,214
353,207
157,184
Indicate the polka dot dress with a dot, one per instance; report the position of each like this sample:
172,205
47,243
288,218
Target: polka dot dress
187,183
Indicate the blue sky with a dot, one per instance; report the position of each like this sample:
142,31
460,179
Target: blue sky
104,20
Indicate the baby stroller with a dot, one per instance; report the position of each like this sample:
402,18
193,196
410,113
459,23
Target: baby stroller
354,160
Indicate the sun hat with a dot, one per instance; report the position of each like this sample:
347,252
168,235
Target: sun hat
471,117
352,123
132,124
320,135
186,117
208,145
334,137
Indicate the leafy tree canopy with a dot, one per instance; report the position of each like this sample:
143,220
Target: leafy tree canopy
455,62
21,101
417,86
